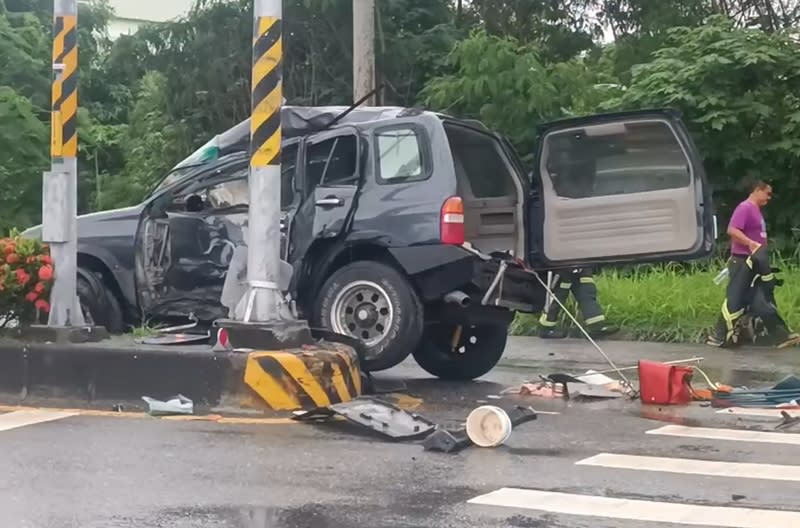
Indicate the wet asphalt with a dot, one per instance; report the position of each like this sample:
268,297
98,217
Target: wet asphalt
102,472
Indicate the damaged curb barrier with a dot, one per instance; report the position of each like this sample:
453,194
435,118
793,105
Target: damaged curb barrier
110,372
304,378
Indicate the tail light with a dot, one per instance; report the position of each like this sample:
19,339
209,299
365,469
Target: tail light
451,221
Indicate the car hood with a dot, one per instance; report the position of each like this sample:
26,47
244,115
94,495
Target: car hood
87,222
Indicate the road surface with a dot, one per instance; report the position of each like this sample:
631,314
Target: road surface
592,465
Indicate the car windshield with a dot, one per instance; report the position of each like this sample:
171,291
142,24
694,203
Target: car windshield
174,176
201,156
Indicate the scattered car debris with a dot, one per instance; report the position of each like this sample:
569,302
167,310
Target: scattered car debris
447,441
543,389
377,415
176,339
178,404
585,391
486,426
784,394
788,421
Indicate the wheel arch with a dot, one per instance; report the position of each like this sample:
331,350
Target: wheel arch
324,257
88,262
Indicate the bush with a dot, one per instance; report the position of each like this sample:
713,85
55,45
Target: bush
669,304
26,276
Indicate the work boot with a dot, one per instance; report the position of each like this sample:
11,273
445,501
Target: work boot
788,340
602,330
551,333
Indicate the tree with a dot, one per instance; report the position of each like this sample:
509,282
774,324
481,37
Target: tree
506,85
739,91
23,157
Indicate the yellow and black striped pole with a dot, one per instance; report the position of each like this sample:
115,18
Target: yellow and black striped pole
60,189
264,301
64,136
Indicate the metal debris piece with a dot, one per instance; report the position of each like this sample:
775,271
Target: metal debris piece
380,416
788,421
176,339
178,404
444,441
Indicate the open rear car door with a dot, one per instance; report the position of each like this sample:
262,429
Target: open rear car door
618,188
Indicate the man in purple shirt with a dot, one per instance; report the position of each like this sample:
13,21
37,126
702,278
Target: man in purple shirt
751,281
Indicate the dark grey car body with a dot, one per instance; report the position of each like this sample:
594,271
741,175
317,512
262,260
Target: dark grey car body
162,260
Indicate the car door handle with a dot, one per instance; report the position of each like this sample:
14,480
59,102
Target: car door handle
330,201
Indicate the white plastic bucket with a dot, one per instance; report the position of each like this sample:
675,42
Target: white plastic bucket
488,426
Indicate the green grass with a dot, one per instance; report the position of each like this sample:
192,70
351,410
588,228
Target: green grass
145,330
669,304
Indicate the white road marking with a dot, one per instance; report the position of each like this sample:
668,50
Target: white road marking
17,419
694,467
637,510
770,413
728,434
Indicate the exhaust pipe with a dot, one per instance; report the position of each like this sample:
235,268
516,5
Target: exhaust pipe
458,297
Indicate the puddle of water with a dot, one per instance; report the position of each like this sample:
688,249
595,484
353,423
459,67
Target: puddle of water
524,451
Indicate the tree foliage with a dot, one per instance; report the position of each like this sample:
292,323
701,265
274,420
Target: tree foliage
148,99
740,91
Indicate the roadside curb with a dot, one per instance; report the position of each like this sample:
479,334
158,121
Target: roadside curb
89,373
117,373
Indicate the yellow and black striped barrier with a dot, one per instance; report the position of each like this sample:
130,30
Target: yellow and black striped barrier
267,93
64,129
304,378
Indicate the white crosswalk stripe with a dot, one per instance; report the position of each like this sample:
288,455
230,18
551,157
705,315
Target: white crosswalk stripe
767,413
673,513
727,434
16,419
637,510
689,466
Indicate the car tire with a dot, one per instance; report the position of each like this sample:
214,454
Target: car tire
375,303
99,304
477,351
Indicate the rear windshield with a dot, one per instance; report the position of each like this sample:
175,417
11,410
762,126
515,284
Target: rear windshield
617,158
479,159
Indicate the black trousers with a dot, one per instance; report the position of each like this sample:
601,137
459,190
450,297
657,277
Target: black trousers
579,282
751,290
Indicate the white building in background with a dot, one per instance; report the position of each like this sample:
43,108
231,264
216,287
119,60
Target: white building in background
130,14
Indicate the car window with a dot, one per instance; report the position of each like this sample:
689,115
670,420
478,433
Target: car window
399,156
332,162
229,193
618,158
480,160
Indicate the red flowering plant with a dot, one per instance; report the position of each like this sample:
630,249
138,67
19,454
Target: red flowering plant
26,276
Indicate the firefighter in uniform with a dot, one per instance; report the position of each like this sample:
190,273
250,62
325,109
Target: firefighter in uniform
580,282
751,279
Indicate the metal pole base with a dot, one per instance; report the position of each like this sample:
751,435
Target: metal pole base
65,307
275,335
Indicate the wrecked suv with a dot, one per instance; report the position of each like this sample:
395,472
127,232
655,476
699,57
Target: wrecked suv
413,231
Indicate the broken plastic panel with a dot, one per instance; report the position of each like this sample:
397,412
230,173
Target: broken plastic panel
380,416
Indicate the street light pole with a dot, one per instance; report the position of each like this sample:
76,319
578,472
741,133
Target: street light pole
60,186
263,301
364,50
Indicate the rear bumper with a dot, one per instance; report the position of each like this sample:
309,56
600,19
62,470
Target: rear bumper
490,284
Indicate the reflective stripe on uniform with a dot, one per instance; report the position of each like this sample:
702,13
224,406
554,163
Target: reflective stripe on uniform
587,280
730,318
596,319
543,321
566,285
